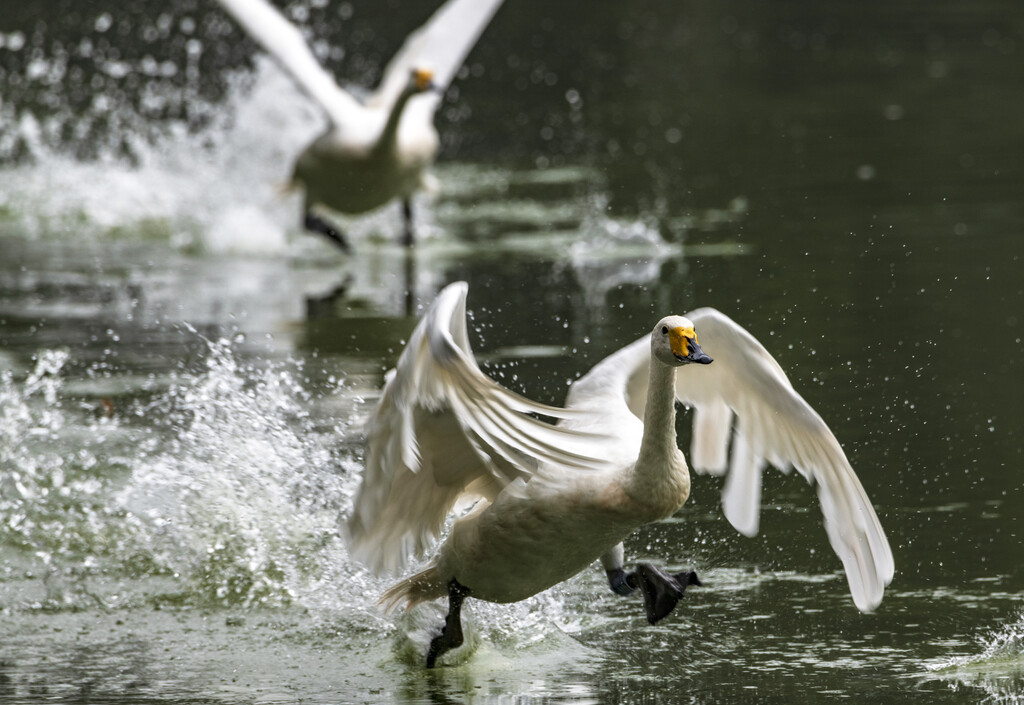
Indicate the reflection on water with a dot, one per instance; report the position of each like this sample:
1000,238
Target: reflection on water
183,377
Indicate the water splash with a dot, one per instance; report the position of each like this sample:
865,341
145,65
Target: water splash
245,497
517,635
997,670
225,488
51,495
223,481
217,187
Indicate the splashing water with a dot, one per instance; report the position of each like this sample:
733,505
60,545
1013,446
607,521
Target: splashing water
246,496
51,496
217,188
222,480
998,670
224,489
221,185
1007,643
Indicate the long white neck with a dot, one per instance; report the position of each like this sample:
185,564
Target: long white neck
389,135
660,475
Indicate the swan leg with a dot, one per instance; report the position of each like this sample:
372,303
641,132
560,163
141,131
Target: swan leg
621,582
661,590
409,234
314,223
451,634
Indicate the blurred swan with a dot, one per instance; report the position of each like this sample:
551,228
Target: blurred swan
555,498
379,149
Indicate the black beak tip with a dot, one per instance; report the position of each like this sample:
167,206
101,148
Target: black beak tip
698,355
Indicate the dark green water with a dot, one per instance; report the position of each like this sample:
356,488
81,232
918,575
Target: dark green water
185,374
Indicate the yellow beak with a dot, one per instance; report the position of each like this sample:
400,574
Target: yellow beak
679,338
423,79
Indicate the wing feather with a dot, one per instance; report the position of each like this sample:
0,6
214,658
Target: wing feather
775,424
741,496
441,45
443,429
712,426
285,43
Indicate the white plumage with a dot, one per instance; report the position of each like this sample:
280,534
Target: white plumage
377,150
557,497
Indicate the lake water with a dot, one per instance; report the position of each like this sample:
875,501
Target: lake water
183,374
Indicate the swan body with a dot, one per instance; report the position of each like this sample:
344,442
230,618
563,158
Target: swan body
383,174
380,149
552,527
555,498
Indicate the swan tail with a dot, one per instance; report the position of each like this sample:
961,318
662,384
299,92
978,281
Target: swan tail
421,587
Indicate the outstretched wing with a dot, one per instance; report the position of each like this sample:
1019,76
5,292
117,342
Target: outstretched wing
443,429
773,424
283,41
440,45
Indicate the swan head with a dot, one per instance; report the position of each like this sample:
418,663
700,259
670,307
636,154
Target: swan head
674,342
421,80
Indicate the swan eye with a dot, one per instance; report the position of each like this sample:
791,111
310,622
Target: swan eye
664,330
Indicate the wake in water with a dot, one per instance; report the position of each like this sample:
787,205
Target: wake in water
222,188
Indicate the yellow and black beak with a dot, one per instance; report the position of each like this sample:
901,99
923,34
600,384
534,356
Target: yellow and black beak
423,79
685,347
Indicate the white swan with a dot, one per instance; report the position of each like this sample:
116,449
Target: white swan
377,150
555,498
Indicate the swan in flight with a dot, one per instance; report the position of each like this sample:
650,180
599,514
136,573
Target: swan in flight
555,498
378,149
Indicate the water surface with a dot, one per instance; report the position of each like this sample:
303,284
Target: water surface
185,374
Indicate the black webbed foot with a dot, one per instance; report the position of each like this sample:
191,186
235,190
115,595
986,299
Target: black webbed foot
451,634
316,224
687,578
662,591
